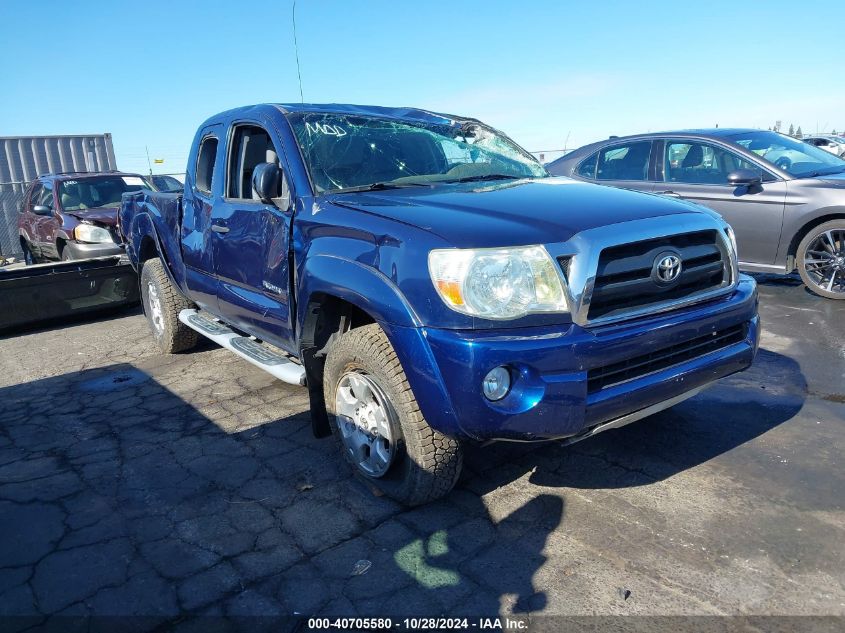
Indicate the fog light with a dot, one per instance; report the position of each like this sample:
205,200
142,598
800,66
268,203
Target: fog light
496,383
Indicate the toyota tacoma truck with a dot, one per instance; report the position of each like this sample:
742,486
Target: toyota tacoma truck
430,284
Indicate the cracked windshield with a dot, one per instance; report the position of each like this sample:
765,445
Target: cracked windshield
345,153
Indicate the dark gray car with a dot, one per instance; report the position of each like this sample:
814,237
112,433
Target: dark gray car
785,199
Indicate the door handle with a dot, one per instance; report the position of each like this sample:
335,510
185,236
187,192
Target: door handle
217,228
671,194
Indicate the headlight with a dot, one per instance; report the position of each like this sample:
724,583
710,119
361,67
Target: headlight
732,238
92,234
497,283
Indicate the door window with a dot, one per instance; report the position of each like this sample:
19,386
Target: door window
46,197
624,162
701,163
250,146
587,168
206,158
34,196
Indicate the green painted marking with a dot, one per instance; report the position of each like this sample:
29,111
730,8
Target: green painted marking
412,560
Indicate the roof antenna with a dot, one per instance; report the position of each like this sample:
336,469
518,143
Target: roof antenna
296,49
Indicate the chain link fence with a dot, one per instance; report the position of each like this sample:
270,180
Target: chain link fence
11,202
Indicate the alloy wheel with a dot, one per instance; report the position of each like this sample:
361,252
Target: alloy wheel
154,304
367,423
824,261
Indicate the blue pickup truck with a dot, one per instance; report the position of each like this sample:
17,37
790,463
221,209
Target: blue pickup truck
430,284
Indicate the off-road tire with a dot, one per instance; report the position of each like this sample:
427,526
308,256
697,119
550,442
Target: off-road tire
174,336
427,463
838,225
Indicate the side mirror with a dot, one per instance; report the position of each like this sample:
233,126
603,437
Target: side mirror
748,177
40,209
271,185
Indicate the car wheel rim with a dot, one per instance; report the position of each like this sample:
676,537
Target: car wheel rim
367,423
824,260
154,303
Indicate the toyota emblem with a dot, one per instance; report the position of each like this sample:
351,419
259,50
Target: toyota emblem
667,268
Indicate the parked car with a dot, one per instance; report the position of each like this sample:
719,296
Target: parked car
785,199
828,142
72,215
165,183
431,284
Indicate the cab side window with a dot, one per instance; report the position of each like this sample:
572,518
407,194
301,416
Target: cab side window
34,196
701,163
251,145
206,159
624,162
46,197
587,168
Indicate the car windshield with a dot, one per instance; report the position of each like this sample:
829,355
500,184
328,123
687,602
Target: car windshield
798,158
353,152
100,191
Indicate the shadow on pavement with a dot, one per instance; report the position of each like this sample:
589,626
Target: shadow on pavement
60,323
121,498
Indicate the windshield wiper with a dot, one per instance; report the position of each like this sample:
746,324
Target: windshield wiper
380,186
485,177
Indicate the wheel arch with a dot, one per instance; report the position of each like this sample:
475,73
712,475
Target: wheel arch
327,307
800,234
326,316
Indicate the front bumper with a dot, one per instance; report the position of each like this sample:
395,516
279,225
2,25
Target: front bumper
553,395
83,250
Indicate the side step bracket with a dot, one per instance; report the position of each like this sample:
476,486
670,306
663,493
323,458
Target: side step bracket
271,360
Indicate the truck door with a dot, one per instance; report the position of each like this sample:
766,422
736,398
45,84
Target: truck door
27,222
46,224
250,241
201,187
698,171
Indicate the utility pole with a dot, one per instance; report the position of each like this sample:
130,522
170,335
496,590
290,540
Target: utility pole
149,164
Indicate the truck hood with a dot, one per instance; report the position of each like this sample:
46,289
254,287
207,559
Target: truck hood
512,213
104,215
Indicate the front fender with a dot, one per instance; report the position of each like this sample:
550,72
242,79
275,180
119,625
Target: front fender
363,286
371,291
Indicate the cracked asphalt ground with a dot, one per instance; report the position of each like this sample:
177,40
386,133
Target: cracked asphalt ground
138,484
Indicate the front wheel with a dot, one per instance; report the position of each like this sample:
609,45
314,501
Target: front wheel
821,259
377,422
162,304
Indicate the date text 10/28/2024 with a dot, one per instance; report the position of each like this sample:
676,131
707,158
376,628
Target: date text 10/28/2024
418,624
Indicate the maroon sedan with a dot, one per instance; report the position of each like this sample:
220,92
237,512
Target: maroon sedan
73,216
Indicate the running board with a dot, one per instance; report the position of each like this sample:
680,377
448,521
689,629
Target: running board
273,362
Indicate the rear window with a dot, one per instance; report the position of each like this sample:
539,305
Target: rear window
587,168
628,161
206,157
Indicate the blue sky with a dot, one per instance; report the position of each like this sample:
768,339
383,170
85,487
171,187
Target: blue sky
548,73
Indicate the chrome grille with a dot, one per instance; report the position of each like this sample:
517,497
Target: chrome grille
626,278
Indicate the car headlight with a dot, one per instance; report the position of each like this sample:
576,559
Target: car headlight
92,234
732,237
497,283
